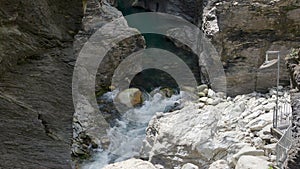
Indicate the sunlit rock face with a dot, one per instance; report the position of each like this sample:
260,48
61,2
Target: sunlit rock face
212,129
243,31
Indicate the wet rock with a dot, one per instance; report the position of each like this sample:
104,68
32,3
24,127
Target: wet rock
95,19
130,97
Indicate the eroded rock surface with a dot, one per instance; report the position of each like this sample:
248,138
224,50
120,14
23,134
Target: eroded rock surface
29,28
89,124
202,134
243,31
35,84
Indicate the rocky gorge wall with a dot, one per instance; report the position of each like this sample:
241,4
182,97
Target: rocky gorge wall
247,29
35,82
242,31
37,59
29,28
89,128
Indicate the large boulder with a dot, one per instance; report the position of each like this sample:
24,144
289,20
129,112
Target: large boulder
131,164
252,162
130,97
173,139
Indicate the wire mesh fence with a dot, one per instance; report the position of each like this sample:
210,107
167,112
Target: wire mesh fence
283,146
283,115
282,121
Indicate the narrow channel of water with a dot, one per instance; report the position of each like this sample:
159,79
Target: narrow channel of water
129,131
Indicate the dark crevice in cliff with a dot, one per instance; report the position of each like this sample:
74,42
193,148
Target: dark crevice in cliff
47,129
23,105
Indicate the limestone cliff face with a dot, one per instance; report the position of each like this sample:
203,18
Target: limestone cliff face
244,30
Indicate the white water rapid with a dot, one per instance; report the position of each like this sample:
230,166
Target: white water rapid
127,135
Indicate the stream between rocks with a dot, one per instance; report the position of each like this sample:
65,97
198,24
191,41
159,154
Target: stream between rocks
129,131
214,132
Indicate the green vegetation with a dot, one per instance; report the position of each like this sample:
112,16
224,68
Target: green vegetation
294,54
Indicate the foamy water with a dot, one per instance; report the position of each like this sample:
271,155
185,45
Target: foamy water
127,135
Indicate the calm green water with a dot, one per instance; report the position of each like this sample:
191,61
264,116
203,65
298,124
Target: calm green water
156,78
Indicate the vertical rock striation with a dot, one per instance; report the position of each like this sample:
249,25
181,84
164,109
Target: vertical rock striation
35,84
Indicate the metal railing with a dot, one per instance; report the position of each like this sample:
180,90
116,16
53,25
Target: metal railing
283,146
282,115
283,122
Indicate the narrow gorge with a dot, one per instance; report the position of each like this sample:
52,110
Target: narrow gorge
148,84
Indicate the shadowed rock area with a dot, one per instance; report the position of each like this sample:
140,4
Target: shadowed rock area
35,82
